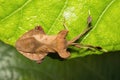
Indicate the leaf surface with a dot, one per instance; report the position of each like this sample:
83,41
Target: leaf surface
17,17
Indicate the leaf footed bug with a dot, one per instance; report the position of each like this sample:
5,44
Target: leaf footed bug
36,44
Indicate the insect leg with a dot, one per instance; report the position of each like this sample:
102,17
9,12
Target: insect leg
89,20
89,47
79,36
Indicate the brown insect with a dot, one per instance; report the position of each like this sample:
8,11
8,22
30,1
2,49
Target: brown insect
36,44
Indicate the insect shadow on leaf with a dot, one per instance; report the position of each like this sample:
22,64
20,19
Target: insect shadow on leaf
36,44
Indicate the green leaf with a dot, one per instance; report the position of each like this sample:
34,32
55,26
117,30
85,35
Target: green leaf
17,17
16,67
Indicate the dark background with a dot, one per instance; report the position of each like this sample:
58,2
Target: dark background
14,66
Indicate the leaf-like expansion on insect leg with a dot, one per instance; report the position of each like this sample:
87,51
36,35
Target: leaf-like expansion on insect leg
89,20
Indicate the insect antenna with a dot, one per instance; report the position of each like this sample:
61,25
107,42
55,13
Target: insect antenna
64,24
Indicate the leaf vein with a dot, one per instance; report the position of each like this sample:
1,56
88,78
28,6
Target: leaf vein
100,17
61,11
18,9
